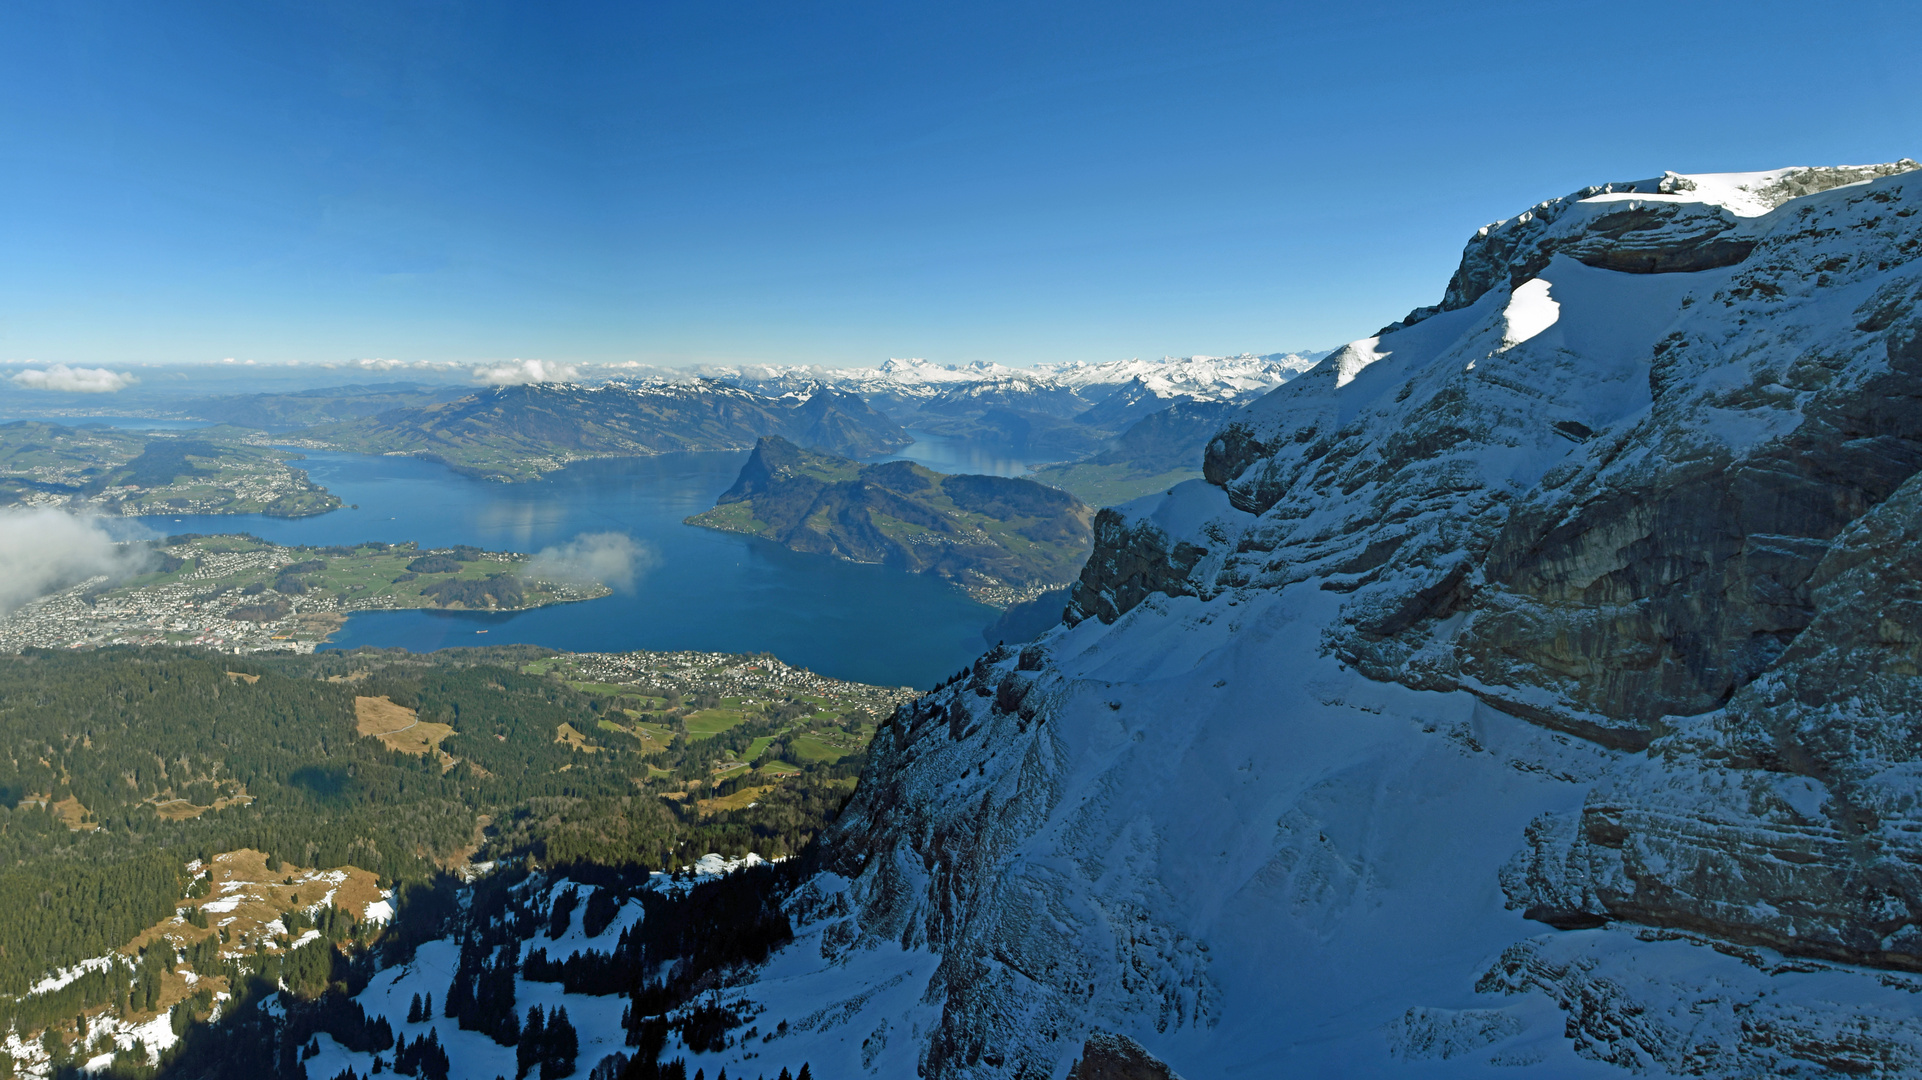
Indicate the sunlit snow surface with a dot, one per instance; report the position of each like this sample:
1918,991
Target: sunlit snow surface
1222,843
1530,311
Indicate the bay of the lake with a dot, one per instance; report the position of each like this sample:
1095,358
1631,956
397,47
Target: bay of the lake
697,588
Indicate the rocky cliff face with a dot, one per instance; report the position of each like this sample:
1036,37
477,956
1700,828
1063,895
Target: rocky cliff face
1533,683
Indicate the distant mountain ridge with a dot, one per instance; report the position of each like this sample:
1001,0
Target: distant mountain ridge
1002,538
523,432
1156,452
904,387
282,411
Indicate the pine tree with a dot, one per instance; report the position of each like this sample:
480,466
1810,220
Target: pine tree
460,995
533,1040
805,1073
560,1046
509,1032
413,1010
434,1064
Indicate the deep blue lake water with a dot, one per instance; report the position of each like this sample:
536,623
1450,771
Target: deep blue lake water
705,590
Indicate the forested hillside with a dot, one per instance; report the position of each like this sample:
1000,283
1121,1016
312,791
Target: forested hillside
119,767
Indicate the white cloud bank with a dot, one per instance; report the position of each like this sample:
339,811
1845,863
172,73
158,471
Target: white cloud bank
74,380
517,372
44,551
608,558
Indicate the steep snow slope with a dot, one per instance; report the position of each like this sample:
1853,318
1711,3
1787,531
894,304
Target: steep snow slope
1530,684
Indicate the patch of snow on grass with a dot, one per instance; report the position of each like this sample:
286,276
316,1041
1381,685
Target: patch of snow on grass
62,978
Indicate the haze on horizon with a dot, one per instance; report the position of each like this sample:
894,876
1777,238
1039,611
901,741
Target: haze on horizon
604,183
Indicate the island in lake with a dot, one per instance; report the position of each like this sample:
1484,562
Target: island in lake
243,594
1003,539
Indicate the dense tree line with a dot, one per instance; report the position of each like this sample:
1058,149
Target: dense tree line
496,590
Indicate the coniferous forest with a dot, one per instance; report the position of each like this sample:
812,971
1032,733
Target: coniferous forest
124,768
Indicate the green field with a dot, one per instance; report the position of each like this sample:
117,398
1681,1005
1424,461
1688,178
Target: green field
710,722
816,748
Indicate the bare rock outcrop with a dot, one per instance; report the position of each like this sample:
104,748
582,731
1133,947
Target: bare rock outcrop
1108,1056
1790,818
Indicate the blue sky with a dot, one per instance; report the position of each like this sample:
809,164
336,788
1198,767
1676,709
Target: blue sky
843,183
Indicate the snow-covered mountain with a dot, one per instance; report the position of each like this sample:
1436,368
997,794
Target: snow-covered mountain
1531,684
1200,378
1061,390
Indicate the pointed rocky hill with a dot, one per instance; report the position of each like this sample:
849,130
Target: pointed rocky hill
990,534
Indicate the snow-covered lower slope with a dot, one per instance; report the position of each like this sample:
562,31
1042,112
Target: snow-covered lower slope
1531,684
427,975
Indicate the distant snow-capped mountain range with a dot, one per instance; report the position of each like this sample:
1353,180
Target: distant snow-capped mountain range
1065,389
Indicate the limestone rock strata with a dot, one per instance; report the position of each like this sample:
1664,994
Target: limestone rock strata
1670,514
1595,525
1793,816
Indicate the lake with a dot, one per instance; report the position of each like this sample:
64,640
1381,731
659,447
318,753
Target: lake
704,590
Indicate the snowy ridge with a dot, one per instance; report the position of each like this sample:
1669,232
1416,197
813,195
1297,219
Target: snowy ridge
1404,744
915,382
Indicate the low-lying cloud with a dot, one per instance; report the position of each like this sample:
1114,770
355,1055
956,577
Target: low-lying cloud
382,363
74,380
613,559
517,372
43,551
